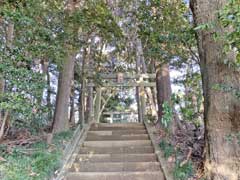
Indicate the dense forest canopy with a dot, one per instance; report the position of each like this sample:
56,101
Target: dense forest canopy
57,59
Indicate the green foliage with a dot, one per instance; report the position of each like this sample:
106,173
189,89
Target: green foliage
190,102
35,38
167,148
180,172
206,26
119,103
230,17
43,30
164,29
37,166
38,162
183,172
150,118
22,97
58,138
167,115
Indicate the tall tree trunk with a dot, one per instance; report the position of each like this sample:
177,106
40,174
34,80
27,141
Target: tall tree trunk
221,108
3,123
89,98
82,91
44,68
2,85
89,108
98,104
80,107
49,92
164,92
163,88
138,89
60,122
9,42
72,110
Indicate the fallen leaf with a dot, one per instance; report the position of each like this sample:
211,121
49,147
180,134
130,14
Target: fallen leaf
2,159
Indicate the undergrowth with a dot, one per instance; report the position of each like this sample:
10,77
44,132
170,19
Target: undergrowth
180,172
183,172
167,148
36,162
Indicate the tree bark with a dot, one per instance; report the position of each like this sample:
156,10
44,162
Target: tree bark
164,92
60,122
2,85
44,68
89,108
98,104
49,92
221,108
163,88
2,129
72,111
138,89
82,91
9,42
80,107
89,99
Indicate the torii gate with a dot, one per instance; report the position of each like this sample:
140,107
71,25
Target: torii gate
141,81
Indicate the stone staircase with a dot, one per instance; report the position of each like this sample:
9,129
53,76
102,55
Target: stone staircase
116,152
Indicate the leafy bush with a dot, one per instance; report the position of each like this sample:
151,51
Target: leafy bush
167,115
180,172
183,172
167,148
37,162
230,17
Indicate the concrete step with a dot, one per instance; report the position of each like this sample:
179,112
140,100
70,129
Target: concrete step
117,150
117,143
118,132
95,128
115,167
92,137
118,125
116,158
157,175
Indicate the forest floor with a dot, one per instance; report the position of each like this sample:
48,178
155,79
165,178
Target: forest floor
184,151
30,157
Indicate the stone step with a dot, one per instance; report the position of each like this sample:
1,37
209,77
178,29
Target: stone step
157,175
118,132
127,125
95,128
92,137
115,167
117,143
117,150
116,158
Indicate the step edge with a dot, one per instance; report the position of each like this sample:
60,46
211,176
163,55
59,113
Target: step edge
116,163
140,154
114,173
